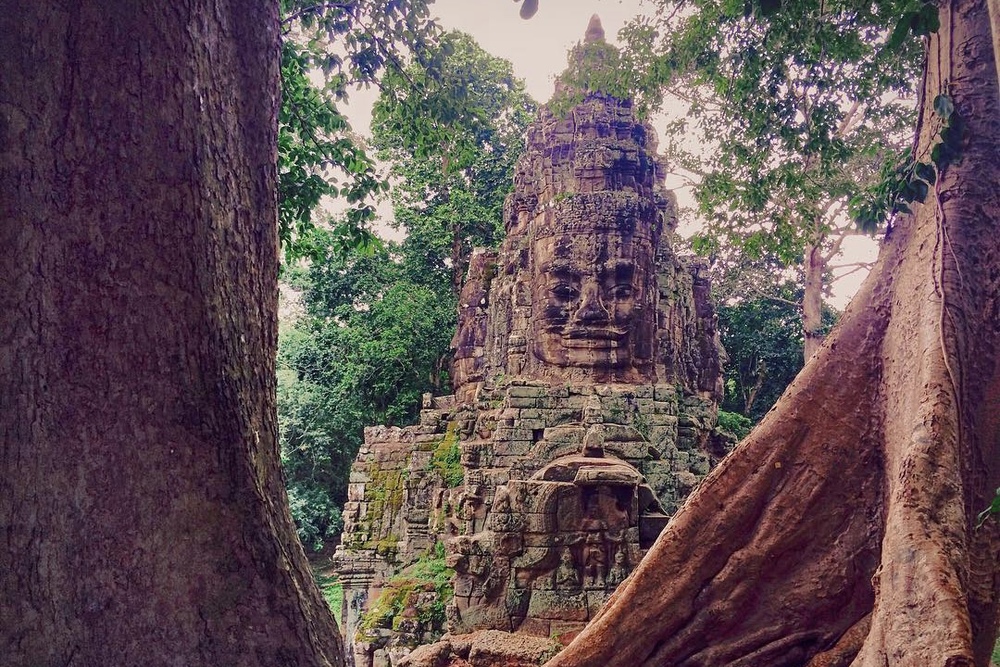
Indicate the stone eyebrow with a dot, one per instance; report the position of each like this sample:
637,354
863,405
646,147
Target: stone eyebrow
558,266
616,266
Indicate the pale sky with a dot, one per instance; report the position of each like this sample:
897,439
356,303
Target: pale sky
538,49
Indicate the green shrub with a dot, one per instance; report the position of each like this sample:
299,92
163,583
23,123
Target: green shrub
332,590
735,424
317,517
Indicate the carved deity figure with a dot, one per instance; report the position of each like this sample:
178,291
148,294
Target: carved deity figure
595,561
619,569
567,576
502,517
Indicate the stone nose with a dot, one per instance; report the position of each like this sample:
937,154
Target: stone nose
592,307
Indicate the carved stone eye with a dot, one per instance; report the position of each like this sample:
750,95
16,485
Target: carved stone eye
621,291
564,291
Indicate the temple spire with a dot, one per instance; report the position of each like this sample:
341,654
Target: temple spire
595,31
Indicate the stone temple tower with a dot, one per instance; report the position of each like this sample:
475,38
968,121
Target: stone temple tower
586,376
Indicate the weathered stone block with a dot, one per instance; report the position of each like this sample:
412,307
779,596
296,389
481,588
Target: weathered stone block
558,605
664,408
526,391
665,392
523,402
515,433
596,600
517,448
536,627
629,450
564,434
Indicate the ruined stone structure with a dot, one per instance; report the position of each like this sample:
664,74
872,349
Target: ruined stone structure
586,375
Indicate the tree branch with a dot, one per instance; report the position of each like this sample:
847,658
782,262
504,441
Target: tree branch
315,9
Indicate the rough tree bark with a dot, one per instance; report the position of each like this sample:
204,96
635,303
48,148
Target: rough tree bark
142,511
842,531
813,266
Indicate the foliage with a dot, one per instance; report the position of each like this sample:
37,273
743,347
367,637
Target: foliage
735,424
379,320
349,45
317,447
593,67
801,107
429,574
452,135
332,589
763,340
908,180
993,509
370,344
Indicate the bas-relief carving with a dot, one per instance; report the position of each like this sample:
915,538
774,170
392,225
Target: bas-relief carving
572,528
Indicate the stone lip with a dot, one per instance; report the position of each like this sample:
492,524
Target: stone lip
589,470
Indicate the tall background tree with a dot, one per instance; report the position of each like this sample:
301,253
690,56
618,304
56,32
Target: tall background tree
369,344
329,49
145,520
452,135
762,337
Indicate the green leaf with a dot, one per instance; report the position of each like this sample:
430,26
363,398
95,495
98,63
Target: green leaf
943,106
926,20
900,32
925,172
769,7
994,508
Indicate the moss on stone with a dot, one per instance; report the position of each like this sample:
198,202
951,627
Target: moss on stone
418,593
447,457
385,490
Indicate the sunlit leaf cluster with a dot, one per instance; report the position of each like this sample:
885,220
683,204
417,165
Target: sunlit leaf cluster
328,48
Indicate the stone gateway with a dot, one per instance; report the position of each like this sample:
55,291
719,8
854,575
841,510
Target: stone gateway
586,377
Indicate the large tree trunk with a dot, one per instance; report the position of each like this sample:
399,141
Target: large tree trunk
144,519
842,531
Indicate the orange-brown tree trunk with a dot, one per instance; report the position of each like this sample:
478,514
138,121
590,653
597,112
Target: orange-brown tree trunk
143,519
843,530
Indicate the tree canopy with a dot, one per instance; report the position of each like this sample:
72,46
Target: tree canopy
796,107
378,322
451,135
328,49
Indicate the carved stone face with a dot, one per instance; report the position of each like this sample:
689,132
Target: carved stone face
590,297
